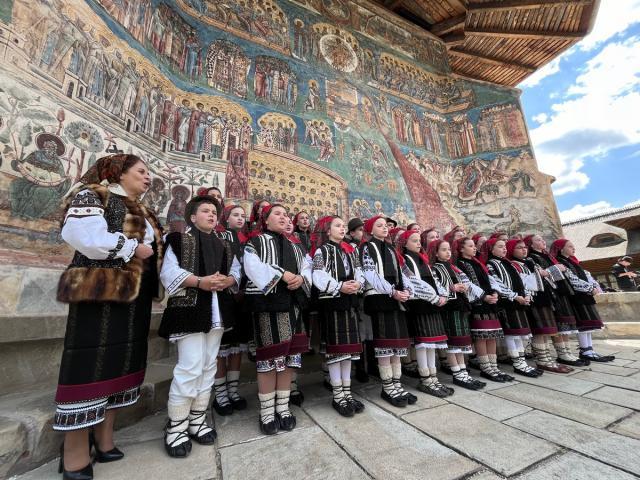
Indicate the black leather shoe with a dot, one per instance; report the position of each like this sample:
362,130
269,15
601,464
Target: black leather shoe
411,398
573,363
494,378
85,473
533,373
287,423
468,384
344,408
357,405
395,401
208,438
222,410
239,403
269,428
296,397
181,450
112,455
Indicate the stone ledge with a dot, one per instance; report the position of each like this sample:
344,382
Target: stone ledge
27,439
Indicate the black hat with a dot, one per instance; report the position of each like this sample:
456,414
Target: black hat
354,224
626,258
389,219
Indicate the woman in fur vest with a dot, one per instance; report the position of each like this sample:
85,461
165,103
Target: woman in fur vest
109,287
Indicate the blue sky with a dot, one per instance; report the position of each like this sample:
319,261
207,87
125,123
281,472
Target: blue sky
583,112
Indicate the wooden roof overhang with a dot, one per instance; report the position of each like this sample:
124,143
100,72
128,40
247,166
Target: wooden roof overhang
501,42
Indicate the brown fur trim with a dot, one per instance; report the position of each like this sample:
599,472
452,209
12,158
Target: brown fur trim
110,284
98,285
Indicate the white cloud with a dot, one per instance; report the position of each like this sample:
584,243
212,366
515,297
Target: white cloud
549,69
614,17
540,118
599,115
580,211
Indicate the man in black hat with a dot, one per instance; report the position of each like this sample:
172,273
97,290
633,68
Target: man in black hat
355,230
624,276
391,223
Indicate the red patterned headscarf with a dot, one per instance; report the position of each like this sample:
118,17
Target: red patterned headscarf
109,168
368,225
402,243
528,241
449,236
556,248
432,253
486,248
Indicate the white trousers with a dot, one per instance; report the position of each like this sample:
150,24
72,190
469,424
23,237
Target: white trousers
196,368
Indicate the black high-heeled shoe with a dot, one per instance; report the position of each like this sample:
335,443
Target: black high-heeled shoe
85,473
112,455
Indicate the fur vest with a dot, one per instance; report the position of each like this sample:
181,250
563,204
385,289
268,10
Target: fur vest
111,279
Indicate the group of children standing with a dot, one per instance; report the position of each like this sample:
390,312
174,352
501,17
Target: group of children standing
381,292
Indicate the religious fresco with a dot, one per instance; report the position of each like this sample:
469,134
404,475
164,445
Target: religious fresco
322,104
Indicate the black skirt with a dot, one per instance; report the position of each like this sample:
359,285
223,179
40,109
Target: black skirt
104,358
341,335
427,329
514,321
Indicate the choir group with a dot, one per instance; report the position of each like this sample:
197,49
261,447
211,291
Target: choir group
384,299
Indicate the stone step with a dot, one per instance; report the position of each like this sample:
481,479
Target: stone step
26,437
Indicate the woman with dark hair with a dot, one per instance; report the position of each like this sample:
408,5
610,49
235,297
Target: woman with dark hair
253,227
302,228
484,324
415,227
585,288
338,278
561,299
277,291
214,192
424,312
512,305
386,289
456,312
429,235
541,318
200,273
234,341
109,287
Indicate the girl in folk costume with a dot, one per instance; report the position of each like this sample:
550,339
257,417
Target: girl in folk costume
109,287
512,305
561,298
302,228
296,396
541,318
252,228
478,240
484,324
584,289
338,278
278,288
456,312
234,341
424,312
386,290
454,234
199,272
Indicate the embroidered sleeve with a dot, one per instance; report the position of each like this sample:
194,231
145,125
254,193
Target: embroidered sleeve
577,283
306,271
171,275
263,275
236,273
474,292
556,274
408,286
530,283
421,289
322,278
498,285
373,279
86,203
90,236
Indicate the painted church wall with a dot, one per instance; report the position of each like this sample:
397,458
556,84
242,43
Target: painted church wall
323,105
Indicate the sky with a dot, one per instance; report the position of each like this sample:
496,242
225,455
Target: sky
583,112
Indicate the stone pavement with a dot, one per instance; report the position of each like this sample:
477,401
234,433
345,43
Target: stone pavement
581,426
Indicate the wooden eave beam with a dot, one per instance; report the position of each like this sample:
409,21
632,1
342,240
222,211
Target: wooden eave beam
393,4
453,39
492,60
532,34
449,25
521,5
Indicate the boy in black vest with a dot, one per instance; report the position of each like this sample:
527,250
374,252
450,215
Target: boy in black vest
199,273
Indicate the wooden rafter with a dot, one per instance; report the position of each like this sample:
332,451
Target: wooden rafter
393,4
532,34
521,5
449,25
492,60
453,39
